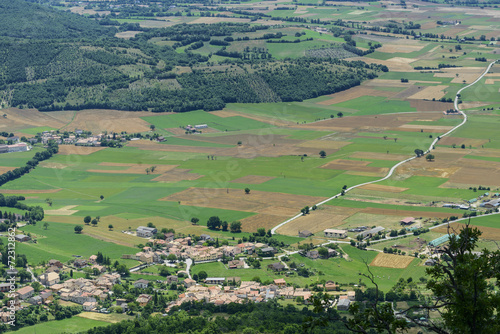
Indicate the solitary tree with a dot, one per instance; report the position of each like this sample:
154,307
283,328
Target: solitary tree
152,127
194,220
48,201
87,220
78,229
110,227
45,225
247,191
322,154
430,157
419,152
340,114
202,275
101,197
94,222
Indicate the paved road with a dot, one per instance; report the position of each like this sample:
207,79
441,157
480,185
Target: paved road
391,171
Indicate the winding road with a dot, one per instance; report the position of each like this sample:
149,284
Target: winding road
391,171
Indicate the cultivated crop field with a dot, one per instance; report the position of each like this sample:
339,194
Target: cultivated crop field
391,261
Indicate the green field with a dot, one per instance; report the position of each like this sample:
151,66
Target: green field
60,242
339,270
72,325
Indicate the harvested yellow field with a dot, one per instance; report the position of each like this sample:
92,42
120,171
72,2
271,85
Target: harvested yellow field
491,81
403,48
429,93
80,150
64,211
379,187
391,261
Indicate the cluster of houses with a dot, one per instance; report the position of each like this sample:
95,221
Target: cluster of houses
250,291
73,138
85,292
195,127
185,248
77,138
487,201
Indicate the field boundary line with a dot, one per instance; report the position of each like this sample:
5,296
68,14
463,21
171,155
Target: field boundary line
391,171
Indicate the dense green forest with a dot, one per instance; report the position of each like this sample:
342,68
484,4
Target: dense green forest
112,73
21,19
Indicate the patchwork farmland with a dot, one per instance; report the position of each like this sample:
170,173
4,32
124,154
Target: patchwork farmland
224,173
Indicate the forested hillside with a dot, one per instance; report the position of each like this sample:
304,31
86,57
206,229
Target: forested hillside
21,19
54,60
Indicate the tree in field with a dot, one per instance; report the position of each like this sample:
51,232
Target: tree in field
202,275
323,252
419,152
305,210
110,227
94,222
45,225
48,201
340,114
224,226
194,220
87,220
214,222
322,154
235,227
247,191
152,127
429,157
78,229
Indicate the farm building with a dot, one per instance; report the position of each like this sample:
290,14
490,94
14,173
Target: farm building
4,149
371,232
429,262
343,304
146,232
407,221
215,280
440,240
22,238
201,126
492,204
331,233
305,234
21,147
